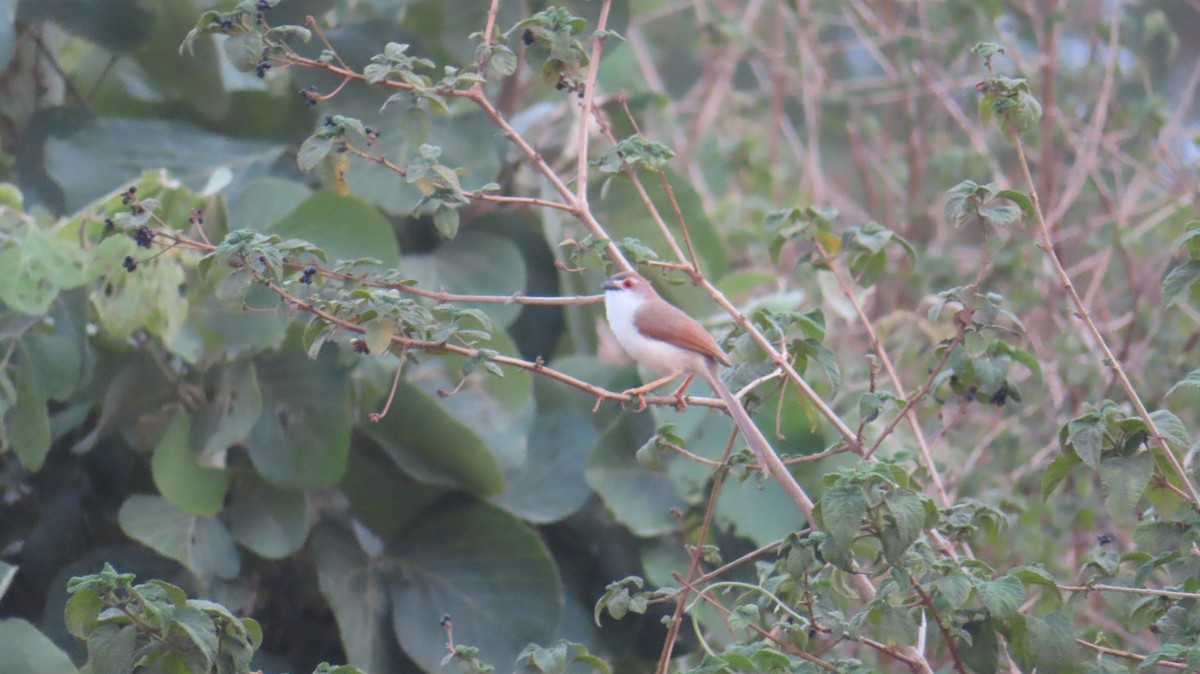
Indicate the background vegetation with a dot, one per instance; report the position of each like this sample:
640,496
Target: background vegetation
302,358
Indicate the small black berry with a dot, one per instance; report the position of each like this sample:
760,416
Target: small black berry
527,37
306,276
1104,539
360,346
309,95
109,225
144,236
129,264
329,121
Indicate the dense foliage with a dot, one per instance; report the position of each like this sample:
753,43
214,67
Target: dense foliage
304,362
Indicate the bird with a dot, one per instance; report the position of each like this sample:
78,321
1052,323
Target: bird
661,337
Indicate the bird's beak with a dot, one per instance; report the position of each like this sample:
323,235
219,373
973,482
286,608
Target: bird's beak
609,285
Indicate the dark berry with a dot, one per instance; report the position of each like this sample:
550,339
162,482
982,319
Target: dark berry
262,69
263,5
144,236
445,619
309,95
360,346
329,121
109,225
560,86
527,37
1104,539
129,264
306,276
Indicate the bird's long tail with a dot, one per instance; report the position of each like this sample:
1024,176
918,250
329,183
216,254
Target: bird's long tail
766,456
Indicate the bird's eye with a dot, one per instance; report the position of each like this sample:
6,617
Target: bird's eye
628,283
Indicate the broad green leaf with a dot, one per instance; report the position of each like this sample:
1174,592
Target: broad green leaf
346,228
1179,280
1001,596
61,354
484,567
96,160
234,405
28,422
430,444
27,650
264,202
638,498
1192,380
354,585
1086,436
955,587
111,648
272,522
245,51
1036,574
37,266
1045,643
1125,478
1172,429
312,151
842,510
551,485
1058,470
474,263
302,437
201,544
907,519
180,478
981,652
145,299
82,610
199,629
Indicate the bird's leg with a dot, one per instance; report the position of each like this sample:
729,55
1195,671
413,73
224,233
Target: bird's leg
641,391
680,405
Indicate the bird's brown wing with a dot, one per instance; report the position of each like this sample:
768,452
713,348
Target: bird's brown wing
668,323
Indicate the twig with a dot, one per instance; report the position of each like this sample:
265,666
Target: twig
1108,358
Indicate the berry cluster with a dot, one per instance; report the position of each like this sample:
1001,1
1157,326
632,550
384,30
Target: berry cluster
144,236
129,264
309,95
306,276
372,135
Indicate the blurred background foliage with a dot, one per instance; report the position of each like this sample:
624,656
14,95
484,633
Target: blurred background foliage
150,426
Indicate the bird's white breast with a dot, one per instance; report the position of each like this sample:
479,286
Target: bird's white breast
621,307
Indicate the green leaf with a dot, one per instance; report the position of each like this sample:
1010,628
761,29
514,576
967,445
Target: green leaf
640,499
842,511
1179,280
146,299
1020,199
981,651
378,335
474,263
436,447
245,51
312,151
201,544
234,405
415,125
551,485
346,228
28,422
1086,436
37,266
907,516
82,610
1001,596
445,219
1192,380
1058,470
27,650
270,521
1172,429
89,163
302,437
200,631
179,476
353,584
1125,479
1036,574
484,567
1046,644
